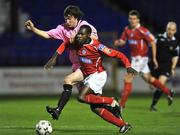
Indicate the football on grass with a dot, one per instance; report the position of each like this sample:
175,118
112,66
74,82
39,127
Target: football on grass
43,127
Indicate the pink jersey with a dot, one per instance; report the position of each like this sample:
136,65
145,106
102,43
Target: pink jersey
63,33
138,40
91,60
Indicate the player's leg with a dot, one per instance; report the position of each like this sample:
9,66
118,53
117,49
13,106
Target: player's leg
93,85
135,64
109,117
158,93
156,96
92,90
156,83
69,81
126,89
88,96
153,81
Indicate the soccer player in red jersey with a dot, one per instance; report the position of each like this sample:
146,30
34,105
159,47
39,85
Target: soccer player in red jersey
138,37
95,76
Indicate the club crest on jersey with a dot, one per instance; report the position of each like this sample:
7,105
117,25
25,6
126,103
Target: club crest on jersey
131,41
83,51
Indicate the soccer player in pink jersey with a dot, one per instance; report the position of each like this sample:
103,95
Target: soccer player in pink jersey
66,32
94,76
139,37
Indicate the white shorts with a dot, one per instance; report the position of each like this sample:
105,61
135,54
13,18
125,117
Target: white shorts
140,64
96,81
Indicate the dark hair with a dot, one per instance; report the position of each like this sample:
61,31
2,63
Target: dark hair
87,28
74,11
134,12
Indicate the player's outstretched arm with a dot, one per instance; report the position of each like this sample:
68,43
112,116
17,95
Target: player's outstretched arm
30,26
115,54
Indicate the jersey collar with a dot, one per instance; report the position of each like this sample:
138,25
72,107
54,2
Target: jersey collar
165,36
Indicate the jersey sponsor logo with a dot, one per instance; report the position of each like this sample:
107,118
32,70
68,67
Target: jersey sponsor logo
85,60
101,47
83,51
131,41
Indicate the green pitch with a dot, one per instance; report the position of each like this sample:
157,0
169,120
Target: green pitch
19,117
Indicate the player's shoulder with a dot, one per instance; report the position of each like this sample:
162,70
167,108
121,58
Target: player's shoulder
83,22
143,29
96,42
62,27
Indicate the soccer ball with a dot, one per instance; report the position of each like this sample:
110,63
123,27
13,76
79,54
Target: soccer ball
43,127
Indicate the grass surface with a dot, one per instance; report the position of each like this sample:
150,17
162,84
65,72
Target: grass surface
19,117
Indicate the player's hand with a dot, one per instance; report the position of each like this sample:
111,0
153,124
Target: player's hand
155,63
29,25
132,71
117,42
50,64
173,72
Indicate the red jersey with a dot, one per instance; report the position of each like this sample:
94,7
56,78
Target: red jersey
138,40
91,60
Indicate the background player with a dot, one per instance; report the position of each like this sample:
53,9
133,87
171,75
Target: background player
138,38
167,57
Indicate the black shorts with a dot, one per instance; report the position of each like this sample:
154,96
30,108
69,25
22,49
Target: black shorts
162,70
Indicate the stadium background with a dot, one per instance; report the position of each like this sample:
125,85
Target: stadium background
23,54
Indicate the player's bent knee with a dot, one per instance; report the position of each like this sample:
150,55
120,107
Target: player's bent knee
68,80
152,79
94,108
128,78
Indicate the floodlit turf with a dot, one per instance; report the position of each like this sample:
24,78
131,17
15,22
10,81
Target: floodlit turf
19,117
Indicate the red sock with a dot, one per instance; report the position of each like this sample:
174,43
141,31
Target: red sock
109,117
159,85
94,99
125,93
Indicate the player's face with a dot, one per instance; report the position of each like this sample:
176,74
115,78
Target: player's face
133,21
71,21
170,30
82,36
